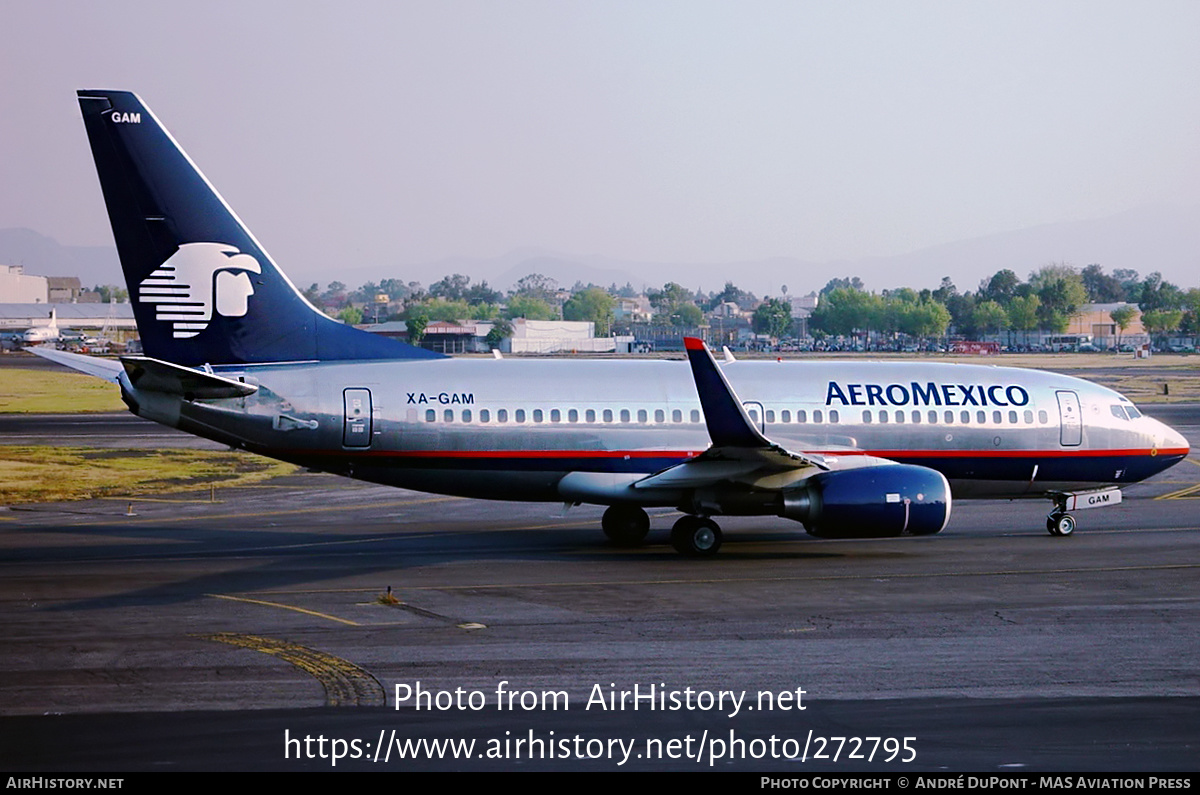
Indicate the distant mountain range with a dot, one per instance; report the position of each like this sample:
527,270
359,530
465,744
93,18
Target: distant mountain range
1147,239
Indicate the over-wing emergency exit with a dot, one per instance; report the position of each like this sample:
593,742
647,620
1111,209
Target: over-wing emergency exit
234,353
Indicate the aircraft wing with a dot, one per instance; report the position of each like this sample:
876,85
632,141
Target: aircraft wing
739,452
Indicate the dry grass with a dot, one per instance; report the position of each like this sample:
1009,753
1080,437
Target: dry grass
49,392
51,474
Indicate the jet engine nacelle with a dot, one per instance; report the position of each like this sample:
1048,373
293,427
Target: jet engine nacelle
871,502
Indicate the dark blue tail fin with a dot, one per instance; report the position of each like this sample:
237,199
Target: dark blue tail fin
203,289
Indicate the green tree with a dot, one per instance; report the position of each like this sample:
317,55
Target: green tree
1101,288
417,322
452,288
1157,294
773,317
439,309
922,319
1162,322
1122,316
1001,288
535,285
111,293
1061,292
501,330
686,315
591,305
530,308
854,283
990,317
675,307
351,316
1023,313
845,310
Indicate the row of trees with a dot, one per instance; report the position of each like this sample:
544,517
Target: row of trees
1045,301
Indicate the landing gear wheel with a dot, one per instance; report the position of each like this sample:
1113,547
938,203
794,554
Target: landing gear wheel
625,525
1060,524
696,537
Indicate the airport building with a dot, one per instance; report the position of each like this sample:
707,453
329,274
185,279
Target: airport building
17,288
115,319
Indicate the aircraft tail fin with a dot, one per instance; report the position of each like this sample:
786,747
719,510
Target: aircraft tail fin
203,289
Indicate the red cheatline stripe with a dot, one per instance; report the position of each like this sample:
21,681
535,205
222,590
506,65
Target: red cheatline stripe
534,454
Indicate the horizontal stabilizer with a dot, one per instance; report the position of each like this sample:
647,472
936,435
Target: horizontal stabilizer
155,375
108,369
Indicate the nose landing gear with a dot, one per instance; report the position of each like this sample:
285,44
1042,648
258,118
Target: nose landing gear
1060,522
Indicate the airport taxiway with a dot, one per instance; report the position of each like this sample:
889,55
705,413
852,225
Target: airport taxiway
192,634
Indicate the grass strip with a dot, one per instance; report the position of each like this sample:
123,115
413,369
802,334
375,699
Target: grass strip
52,474
49,392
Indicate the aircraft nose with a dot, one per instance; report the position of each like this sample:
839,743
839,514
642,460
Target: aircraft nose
1174,439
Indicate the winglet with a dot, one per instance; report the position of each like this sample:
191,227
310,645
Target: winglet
728,423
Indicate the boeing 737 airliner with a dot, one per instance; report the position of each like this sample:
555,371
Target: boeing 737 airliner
234,353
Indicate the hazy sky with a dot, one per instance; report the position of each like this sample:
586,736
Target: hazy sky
356,133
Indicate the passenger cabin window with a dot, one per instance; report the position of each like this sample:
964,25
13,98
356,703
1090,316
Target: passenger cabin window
949,417
502,415
916,416
964,417
466,415
695,415
785,416
1043,417
677,415
555,415
819,417
448,415
624,415
899,415
866,415
430,415
590,415
537,415
485,415
643,416
660,415
801,416
608,415
932,417
883,416
519,415
981,417
1028,417
770,415
833,415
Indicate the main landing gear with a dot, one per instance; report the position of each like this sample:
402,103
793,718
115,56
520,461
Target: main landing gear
696,536
625,525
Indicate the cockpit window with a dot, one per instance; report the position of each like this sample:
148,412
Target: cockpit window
1132,412
1118,412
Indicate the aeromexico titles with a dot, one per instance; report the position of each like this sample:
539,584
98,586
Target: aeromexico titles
234,353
